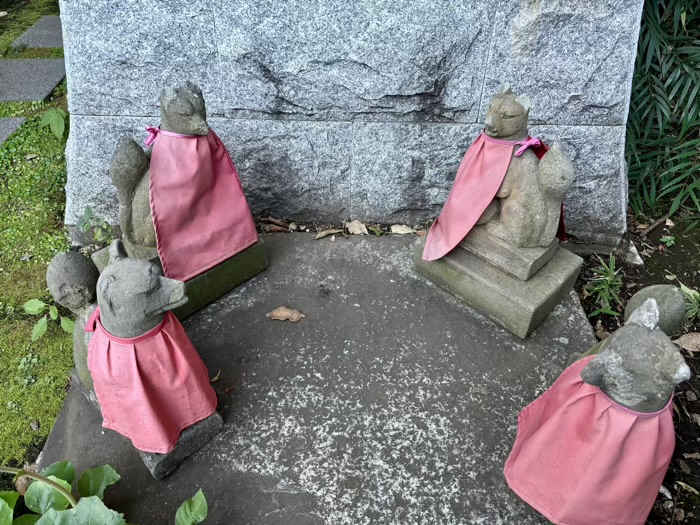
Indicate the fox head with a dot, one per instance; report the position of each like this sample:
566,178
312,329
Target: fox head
133,295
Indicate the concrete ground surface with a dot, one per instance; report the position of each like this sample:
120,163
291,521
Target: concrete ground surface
46,33
30,79
391,403
8,127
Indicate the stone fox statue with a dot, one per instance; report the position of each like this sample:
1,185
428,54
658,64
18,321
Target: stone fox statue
527,207
182,111
507,180
605,427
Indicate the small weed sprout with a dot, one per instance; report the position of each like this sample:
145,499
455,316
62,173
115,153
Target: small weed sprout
668,240
38,307
606,285
692,303
101,230
55,119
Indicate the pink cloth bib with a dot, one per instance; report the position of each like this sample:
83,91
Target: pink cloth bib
580,458
150,387
478,179
200,212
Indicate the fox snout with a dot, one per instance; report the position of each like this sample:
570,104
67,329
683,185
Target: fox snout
174,292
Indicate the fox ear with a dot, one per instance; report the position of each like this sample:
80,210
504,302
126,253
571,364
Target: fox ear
104,284
646,315
117,251
594,372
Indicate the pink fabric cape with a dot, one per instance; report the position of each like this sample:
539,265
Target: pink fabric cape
200,212
478,179
580,458
150,387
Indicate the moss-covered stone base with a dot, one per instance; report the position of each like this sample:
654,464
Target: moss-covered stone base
213,283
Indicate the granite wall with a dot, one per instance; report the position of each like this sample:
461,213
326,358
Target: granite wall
355,109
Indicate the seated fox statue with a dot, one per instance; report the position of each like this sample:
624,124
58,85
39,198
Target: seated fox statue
508,180
148,379
595,447
182,199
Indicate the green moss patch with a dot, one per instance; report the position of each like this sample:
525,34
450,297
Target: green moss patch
32,202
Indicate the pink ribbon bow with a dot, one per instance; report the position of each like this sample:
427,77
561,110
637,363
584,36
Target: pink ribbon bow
524,144
152,134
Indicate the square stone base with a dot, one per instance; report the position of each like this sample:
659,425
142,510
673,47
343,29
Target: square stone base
519,306
522,263
215,282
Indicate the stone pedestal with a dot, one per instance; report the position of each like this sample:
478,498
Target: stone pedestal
212,284
486,282
522,263
190,441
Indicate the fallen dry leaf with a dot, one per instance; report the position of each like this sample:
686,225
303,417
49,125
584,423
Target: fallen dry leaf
691,396
600,332
229,389
678,515
278,222
694,455
687,487
30,156
356,228
646,253
216,377
696,418
684,466
401,229
3,13
283,313
642,227
670,223
333,238
689,342
421,233
274,228
667,493
326,233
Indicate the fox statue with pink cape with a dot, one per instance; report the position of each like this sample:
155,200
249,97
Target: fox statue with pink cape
488,189
182,199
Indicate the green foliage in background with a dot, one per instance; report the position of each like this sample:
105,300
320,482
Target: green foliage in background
663,130
605,285
50,500
22,14
32,201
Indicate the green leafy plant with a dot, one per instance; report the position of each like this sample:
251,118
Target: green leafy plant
101,230
55,119
38,307
692,299
668,240
51,501
663,142
606,285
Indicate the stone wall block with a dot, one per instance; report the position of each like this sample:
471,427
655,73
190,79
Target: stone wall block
575,60
381,60
402,173
120,53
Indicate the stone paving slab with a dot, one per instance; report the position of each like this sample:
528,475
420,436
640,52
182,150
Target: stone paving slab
391,403
8,126
29,79
45,33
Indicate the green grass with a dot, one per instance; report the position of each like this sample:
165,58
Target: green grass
32,177
21,16
33,52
